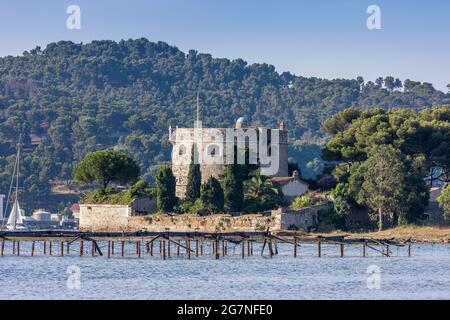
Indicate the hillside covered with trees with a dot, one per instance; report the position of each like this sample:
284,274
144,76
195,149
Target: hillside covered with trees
70,99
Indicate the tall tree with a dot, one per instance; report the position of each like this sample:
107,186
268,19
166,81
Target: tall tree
194,181
444,202
381,183
211,196
106,166
166,184
233,188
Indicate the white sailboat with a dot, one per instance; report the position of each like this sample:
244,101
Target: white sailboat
15,220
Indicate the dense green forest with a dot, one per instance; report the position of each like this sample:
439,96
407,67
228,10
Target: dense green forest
69,99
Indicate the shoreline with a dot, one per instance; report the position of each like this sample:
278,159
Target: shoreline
423,234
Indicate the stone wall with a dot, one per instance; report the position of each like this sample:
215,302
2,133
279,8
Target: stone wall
96,217
119,218
301,219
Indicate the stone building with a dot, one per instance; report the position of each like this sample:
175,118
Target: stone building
215,148
293,186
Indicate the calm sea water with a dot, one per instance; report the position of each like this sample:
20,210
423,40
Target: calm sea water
426,275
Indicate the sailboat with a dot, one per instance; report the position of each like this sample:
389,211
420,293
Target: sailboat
15,220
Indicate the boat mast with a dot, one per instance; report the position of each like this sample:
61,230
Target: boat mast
17,178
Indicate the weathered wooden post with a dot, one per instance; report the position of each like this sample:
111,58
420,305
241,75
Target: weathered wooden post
18,248
109,249
112,247
92,248
62,248
164,249
178,247
223,248
168,247
45,247
32,248
319,249
50,251
295,247
217,249
123,248
409,249
196,248
387,250
81,248
3,247
14,247
201,247
151,249
342,250
68,247
364,249
189,249
160,247
226,247
138,243
243,248
276,247
270,248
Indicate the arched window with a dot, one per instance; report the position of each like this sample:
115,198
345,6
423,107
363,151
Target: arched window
213,150
181,150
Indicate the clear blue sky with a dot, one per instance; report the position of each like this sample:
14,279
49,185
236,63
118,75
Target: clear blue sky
327,38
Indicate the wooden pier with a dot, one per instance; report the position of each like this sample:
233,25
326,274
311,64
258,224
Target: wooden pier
191,244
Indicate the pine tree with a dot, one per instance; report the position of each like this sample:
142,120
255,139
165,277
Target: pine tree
194,181
211,196
233,189
166,184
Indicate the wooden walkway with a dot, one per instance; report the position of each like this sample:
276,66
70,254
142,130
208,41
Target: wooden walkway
188,244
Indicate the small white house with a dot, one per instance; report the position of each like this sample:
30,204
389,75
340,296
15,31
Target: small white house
293,186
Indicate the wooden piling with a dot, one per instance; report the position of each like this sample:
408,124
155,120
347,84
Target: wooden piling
123,248
45,247
196,248
364,249
68,247
32,248
223,248
168,248
342,250
151,249
112,247
249,248
50,248
14,247
201,247
217,249
81,248
188,244
270,248
164,249
409,250
295,247
387,250
61,244
3,247
243,248
109,249
138,245
178,248
319,249
18,248
92,248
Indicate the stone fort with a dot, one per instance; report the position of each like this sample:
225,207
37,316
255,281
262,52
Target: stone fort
213,146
